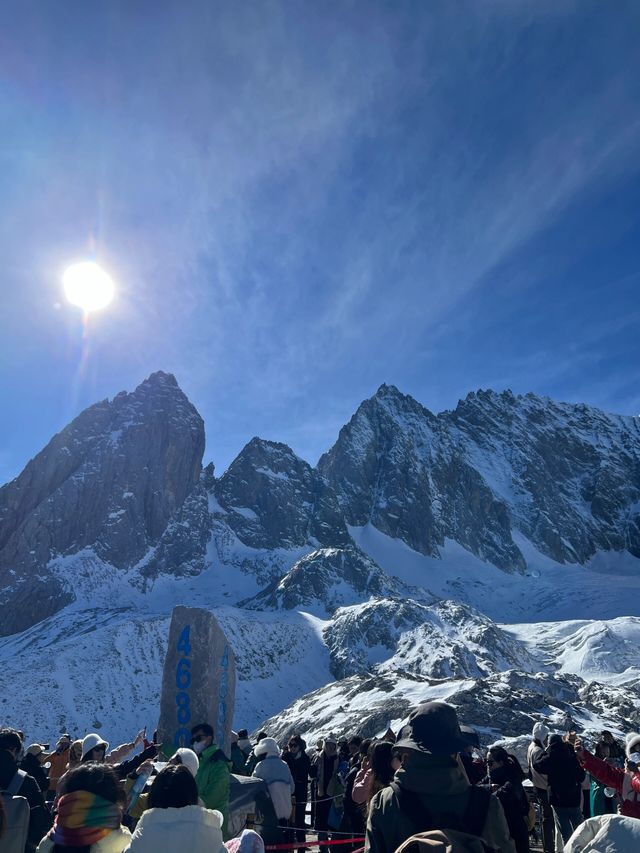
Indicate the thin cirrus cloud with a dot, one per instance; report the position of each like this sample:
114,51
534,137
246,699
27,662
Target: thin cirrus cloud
302,202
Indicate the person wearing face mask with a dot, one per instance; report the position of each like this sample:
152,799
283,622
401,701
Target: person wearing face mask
213,777
505,776
624,781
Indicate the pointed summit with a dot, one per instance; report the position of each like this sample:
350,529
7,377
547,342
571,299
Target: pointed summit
109,483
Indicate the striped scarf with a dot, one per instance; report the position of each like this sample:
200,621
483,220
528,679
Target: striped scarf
83,819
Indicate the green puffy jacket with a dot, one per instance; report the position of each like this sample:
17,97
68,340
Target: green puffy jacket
212,780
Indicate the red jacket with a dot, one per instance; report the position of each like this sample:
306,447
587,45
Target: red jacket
627,785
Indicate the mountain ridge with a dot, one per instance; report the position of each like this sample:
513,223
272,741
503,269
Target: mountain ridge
392,563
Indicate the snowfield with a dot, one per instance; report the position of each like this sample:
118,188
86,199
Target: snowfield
94,666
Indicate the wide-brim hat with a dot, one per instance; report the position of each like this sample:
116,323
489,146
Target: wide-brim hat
433,728
92,741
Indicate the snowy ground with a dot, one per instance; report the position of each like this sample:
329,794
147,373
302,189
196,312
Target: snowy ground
97,664
609,586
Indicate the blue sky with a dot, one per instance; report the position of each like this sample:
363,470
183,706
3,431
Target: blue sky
302,200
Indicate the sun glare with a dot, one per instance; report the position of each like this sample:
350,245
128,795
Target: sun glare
88,286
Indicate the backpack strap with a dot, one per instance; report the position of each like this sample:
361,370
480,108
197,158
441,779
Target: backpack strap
475,815
16,783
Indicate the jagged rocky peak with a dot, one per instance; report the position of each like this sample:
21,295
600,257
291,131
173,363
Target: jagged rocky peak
324,580
110,481
274,499
570,472
566,476
396,466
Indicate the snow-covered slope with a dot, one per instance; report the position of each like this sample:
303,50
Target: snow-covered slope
598,650
490,555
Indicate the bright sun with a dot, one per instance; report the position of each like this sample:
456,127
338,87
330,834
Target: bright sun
88,286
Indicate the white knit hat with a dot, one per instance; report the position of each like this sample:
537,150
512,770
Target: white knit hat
267,746
632,743
91,741
189,759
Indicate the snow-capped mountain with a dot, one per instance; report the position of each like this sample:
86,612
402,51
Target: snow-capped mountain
349,591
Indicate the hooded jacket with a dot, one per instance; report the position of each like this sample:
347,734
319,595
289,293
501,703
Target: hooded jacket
213,780
445,790
536,750
275,772
191,829
559,764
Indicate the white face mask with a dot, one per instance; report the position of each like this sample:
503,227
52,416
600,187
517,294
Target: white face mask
199,747
635,757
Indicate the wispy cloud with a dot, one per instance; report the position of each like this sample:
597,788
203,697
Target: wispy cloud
298,205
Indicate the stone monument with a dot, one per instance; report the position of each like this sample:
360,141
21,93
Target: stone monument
198,680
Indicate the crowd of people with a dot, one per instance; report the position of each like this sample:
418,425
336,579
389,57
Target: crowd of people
431,783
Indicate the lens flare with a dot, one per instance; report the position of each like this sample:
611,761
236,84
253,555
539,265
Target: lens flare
88,286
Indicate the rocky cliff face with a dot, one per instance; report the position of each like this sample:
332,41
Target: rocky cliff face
570,474
566,476
116,516
275,499
396,466
124,480
109,481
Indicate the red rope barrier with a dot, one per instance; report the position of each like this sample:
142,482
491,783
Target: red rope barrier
295,844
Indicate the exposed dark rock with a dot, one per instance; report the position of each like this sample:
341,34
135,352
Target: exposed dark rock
276,500
110,481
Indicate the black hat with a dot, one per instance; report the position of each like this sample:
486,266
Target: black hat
432,728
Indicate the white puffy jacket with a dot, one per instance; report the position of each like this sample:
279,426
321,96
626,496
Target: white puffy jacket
607,833
192,828
275,772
